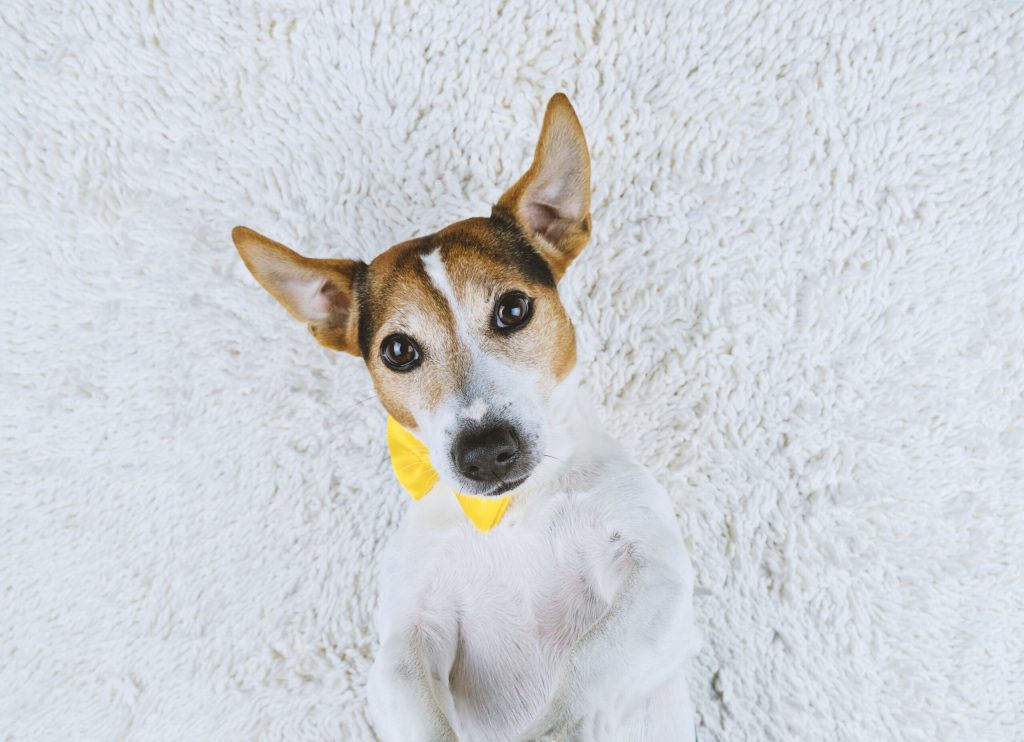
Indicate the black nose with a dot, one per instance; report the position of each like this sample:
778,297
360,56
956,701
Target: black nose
486,454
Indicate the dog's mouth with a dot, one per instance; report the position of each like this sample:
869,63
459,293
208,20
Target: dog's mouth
504,487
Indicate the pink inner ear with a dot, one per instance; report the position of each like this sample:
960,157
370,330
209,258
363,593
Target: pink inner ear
315,299
556,199
545,220
336,301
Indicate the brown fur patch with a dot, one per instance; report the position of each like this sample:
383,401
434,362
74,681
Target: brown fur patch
483,262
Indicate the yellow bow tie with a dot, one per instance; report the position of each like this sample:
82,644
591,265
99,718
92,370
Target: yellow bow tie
410,459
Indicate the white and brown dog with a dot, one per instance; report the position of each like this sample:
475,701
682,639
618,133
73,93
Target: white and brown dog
572,617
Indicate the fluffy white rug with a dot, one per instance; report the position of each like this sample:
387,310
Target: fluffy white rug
802,308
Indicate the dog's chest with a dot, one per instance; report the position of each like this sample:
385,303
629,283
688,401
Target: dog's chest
519,597
539,584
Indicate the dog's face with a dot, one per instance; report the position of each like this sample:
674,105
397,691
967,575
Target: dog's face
462,331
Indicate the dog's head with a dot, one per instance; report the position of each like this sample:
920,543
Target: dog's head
462,330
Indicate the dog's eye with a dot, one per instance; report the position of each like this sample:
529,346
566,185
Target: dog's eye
400,353
512,311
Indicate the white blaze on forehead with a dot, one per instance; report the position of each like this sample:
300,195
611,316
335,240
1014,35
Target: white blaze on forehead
475,411
438,275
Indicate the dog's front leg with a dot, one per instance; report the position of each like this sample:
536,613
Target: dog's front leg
640,640
408,691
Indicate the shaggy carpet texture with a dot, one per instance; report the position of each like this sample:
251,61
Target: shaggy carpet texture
802,308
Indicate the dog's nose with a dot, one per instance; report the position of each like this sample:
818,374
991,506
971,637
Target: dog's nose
486,455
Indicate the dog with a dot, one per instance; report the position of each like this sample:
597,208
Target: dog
564,611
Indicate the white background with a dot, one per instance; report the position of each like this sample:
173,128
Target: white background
802,308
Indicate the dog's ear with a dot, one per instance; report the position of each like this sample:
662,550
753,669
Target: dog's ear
320,293
551,202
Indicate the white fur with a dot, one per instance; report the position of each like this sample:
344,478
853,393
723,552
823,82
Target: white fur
481,632
476,410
